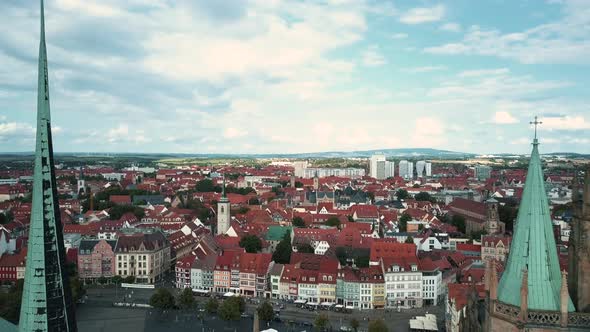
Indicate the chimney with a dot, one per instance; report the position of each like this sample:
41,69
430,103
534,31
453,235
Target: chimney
524,296
564,297
494,282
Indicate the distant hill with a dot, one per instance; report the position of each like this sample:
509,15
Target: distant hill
407,152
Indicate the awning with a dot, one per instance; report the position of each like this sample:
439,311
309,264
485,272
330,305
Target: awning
339,306
202,291
327,303
300,301
313,303
349,307
229,294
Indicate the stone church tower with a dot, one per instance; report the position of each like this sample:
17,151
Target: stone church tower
492,218
81,182
579,245
532,294
223,214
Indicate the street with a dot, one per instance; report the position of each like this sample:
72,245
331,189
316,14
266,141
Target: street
97,314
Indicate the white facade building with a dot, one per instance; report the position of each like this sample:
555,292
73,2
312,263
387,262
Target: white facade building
428,169
406,169
431,287
300,167
339,172
377,165
403,286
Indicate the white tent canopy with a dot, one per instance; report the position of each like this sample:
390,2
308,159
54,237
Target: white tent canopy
270,330
229,294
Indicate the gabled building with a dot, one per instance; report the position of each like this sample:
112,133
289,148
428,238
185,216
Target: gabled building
96,259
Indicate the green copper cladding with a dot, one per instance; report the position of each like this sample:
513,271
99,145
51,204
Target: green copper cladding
47,301
533,248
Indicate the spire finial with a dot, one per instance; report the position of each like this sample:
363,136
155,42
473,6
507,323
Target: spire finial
536,123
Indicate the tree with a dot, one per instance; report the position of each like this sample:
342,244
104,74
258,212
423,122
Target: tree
354,324
162,299
378,325
305,248
298,184
401,194
333,222
185,299
117,280
205,185
129,280
282,254
403,222
102,280
265,311
77,288
424,196
350,218
459,222
230,309
117,211
321,322
211,305
298,222
409,239
251,243
478,234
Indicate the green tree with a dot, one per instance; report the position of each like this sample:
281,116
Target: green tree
333,221
378,325
185,299
402,194
354,324
205,185
230,309
117,280
282,254
403,222
459,222
265,311
298,222
102,280
129,280
424,196
298,184
117,211
78,290
251,243
305,248
211,305
409,239
350,218
321,322
162,299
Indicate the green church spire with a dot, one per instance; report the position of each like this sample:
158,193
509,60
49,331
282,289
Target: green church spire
47,301
533,246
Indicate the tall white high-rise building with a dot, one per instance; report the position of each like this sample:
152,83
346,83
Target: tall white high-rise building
428,169
406,169
420,166
389,169
375,167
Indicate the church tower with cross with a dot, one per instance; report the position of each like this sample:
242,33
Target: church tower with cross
223,212
532,294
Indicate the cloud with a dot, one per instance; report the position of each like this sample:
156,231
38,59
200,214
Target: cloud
573,122
232,132
564,41
451,27
484,72
117,134
503,117
425,69
423,15
372,57
399,36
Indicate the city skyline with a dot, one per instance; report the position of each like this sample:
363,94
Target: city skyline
280,77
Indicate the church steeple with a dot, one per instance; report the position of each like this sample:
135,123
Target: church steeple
46,301
533,247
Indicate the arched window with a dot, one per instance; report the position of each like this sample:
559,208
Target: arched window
222,209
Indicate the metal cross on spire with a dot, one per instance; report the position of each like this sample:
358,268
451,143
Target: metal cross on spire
536,123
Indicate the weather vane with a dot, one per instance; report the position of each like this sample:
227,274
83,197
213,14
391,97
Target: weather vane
536,123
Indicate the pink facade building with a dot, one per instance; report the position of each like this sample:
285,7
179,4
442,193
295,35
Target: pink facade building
96,258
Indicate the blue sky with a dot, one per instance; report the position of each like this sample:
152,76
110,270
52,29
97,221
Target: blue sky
266,76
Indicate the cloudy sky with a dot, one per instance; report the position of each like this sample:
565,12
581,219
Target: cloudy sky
265,76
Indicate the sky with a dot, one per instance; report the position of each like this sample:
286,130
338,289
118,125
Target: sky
280,76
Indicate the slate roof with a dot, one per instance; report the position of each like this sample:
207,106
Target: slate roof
533,248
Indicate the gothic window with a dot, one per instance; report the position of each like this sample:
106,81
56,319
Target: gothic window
222,209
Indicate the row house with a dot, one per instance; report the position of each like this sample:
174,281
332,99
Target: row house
202,274
145,256
371,288
288,285
183,270
275,280
254,268
96,259
12,266
222,272
348,288
403,282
